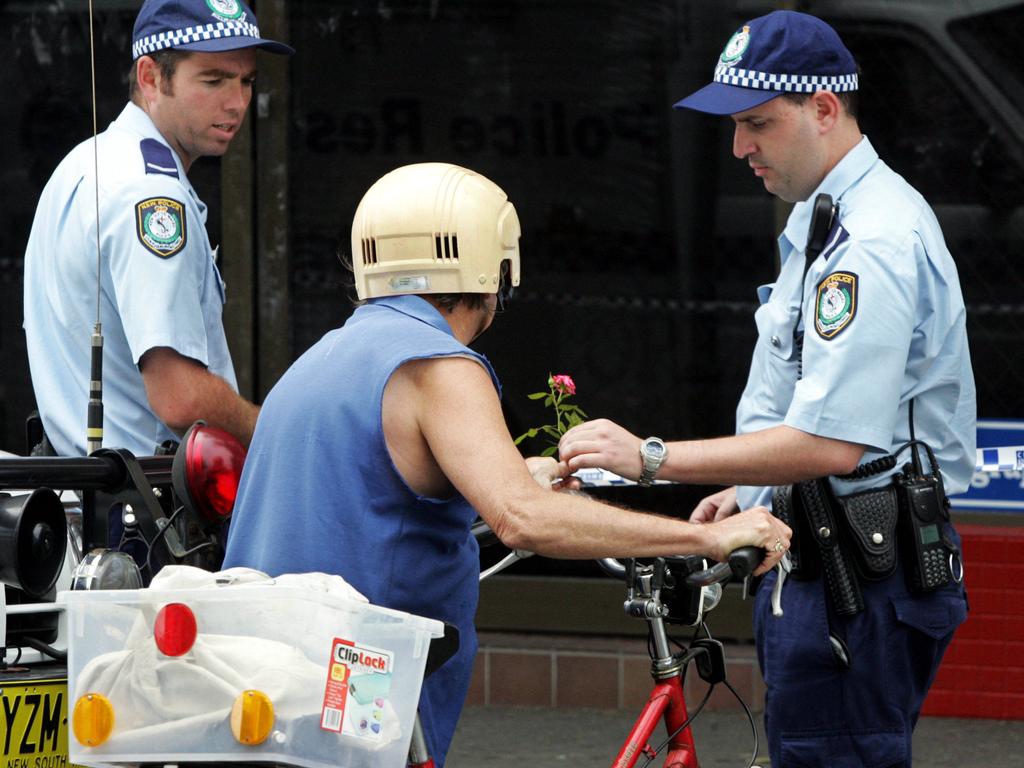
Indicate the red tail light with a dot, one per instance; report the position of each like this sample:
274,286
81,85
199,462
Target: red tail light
206,471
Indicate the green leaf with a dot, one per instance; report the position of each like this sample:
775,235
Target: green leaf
551,431
528,433
549,400
574,419
549,451
538,395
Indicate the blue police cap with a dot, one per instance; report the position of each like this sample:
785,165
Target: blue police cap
783,52
199,25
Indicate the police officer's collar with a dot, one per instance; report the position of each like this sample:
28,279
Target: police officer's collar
416,307
135,120
847,172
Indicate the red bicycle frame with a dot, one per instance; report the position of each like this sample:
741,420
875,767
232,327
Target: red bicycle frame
666,701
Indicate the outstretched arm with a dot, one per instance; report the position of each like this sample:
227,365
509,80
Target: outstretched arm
460,418
772,456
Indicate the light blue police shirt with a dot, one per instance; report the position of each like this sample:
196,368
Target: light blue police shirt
883,321
159,285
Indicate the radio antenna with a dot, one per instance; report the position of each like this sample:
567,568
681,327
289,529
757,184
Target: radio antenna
94,419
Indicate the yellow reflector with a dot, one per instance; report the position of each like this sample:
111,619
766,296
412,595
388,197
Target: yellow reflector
252,717
93,719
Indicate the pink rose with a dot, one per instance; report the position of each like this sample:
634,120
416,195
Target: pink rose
564,384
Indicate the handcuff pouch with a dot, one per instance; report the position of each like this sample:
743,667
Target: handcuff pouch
870,519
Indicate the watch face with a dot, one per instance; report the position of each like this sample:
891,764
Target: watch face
654,450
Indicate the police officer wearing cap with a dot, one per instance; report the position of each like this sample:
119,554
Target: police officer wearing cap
166,358
861,347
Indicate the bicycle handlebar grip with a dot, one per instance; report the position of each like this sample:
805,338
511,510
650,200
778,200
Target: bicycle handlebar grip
744,561
740,563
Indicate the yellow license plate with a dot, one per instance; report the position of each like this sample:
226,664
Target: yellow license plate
34,723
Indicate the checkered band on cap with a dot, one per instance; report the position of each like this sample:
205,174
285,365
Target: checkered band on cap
176,37
749,78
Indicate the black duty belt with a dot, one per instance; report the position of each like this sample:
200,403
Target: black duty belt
842,538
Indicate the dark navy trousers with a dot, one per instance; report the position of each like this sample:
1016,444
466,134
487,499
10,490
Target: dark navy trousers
820,713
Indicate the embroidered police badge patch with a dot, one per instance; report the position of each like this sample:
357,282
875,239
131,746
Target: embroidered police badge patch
161,225
736,47
228,10
836,305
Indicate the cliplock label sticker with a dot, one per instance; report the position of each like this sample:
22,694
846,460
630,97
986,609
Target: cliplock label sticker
358,689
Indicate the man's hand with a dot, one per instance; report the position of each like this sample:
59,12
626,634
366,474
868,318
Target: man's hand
551,474
754,527
717,506
601,443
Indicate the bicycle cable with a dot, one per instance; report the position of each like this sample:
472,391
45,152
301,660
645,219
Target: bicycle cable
746,710
750,719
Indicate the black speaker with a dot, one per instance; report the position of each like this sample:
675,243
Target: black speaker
33,538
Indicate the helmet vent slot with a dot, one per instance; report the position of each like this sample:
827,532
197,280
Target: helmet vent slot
446,247
369,250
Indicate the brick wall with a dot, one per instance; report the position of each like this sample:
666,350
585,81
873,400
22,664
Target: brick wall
982,674
593,672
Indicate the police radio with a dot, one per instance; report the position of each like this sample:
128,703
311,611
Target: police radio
823,214
926,551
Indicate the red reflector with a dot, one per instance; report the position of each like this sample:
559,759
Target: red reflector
213,462
175,629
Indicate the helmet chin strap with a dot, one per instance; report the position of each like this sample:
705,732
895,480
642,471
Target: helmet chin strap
505,288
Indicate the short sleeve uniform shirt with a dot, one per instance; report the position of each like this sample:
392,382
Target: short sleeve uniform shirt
882,320
158,283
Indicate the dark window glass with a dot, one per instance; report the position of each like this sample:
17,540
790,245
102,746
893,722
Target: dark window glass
923,124
993,40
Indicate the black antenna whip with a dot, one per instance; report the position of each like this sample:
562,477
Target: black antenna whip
94,419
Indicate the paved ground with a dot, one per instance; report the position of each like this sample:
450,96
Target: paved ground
507,737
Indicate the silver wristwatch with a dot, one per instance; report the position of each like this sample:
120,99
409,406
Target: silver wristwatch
653,453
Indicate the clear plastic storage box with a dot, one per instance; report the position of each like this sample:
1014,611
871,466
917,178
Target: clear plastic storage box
264,673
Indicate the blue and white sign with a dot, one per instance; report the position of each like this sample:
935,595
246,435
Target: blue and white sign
998,482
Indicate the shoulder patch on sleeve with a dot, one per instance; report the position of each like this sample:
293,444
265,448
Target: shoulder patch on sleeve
836,304
161,226
158,158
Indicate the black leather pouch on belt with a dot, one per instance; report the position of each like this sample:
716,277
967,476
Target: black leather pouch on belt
840,578
870,518
803,550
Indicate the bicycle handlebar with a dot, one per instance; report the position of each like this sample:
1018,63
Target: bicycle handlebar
483,534
741,563
613,567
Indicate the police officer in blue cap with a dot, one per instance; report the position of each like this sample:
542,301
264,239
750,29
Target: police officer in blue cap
861,348
166,359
